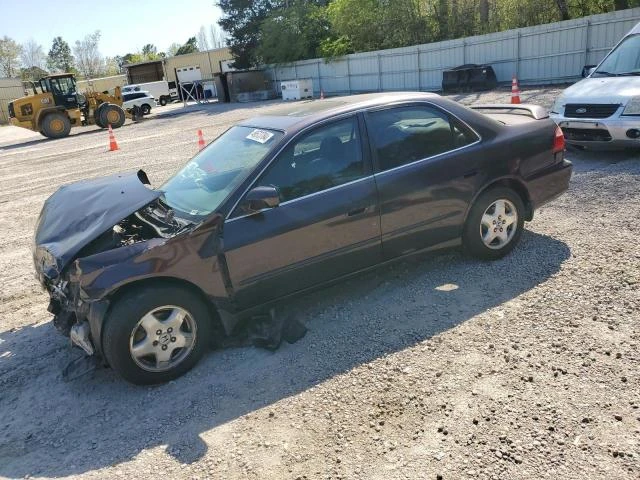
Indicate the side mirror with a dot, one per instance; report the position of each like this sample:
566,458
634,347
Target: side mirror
260,198
588,70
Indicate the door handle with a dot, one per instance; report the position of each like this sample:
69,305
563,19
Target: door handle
470,173
357,211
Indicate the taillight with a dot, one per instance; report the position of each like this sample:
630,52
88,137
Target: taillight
558,141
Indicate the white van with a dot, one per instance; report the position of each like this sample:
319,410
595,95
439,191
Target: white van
159,90
603,110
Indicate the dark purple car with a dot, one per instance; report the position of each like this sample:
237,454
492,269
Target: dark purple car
279,205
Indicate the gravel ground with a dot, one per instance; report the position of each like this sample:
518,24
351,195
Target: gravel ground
442,367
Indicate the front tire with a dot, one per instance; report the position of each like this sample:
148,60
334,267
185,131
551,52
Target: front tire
55,125
154,335
146,109
112,115
494,225
163,101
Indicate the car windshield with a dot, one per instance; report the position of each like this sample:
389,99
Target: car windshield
203,184
624,60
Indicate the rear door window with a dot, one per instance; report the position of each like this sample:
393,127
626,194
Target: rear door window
404,135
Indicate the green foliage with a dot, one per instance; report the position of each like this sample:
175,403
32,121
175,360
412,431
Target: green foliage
280,31
242,20
190,47
10,51
294,32
59,58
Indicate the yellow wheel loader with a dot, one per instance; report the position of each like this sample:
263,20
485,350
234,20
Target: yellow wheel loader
56,106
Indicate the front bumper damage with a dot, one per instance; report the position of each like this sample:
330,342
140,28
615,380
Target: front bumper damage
79,319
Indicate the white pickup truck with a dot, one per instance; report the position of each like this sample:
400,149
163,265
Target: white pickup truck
159,90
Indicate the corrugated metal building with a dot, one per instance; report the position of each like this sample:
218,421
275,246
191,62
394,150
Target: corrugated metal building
207,62
10,89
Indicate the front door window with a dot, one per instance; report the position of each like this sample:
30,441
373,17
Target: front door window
327,157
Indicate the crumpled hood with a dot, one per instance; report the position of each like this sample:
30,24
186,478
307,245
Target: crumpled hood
602,90
78,213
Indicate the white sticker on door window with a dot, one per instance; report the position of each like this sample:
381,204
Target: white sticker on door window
260,136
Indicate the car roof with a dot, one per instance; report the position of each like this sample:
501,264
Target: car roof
299,114
634,30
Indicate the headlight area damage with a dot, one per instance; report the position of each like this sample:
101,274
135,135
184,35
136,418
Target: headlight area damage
85,228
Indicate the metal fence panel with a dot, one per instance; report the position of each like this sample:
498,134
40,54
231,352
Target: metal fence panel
550,53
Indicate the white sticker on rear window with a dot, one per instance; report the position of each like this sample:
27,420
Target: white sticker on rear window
260,136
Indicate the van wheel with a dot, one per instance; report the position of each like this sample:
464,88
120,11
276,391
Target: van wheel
155,334
163,101
494,225
56,125
112,115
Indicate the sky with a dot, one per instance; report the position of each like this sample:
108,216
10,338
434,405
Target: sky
125,25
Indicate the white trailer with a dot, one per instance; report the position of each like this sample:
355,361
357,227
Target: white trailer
160,90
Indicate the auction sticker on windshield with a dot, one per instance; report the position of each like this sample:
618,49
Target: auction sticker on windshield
260,136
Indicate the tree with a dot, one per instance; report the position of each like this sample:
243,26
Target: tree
564,9
242,20
202,40
189,47
32,55
149,51
484,13
294,32
375,24
60,58
173,48
216,35
111,66
9,54
88,57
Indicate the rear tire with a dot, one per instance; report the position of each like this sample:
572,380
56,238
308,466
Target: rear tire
134,348
163,101
55,125
96,116
146,109
494,225
112,115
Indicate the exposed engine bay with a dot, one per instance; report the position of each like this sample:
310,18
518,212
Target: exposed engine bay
155,220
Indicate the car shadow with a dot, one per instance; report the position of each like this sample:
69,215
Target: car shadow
51,428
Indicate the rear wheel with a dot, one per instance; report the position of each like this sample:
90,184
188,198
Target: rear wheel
153,335
55,125
163,101
96,116
113,115
494,224
146,109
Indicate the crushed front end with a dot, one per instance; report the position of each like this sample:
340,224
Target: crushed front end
85,228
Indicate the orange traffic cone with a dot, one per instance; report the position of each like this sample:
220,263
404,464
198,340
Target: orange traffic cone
515,90
200,140
113,145
321,94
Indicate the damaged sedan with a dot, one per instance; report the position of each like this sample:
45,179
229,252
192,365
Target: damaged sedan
145,279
